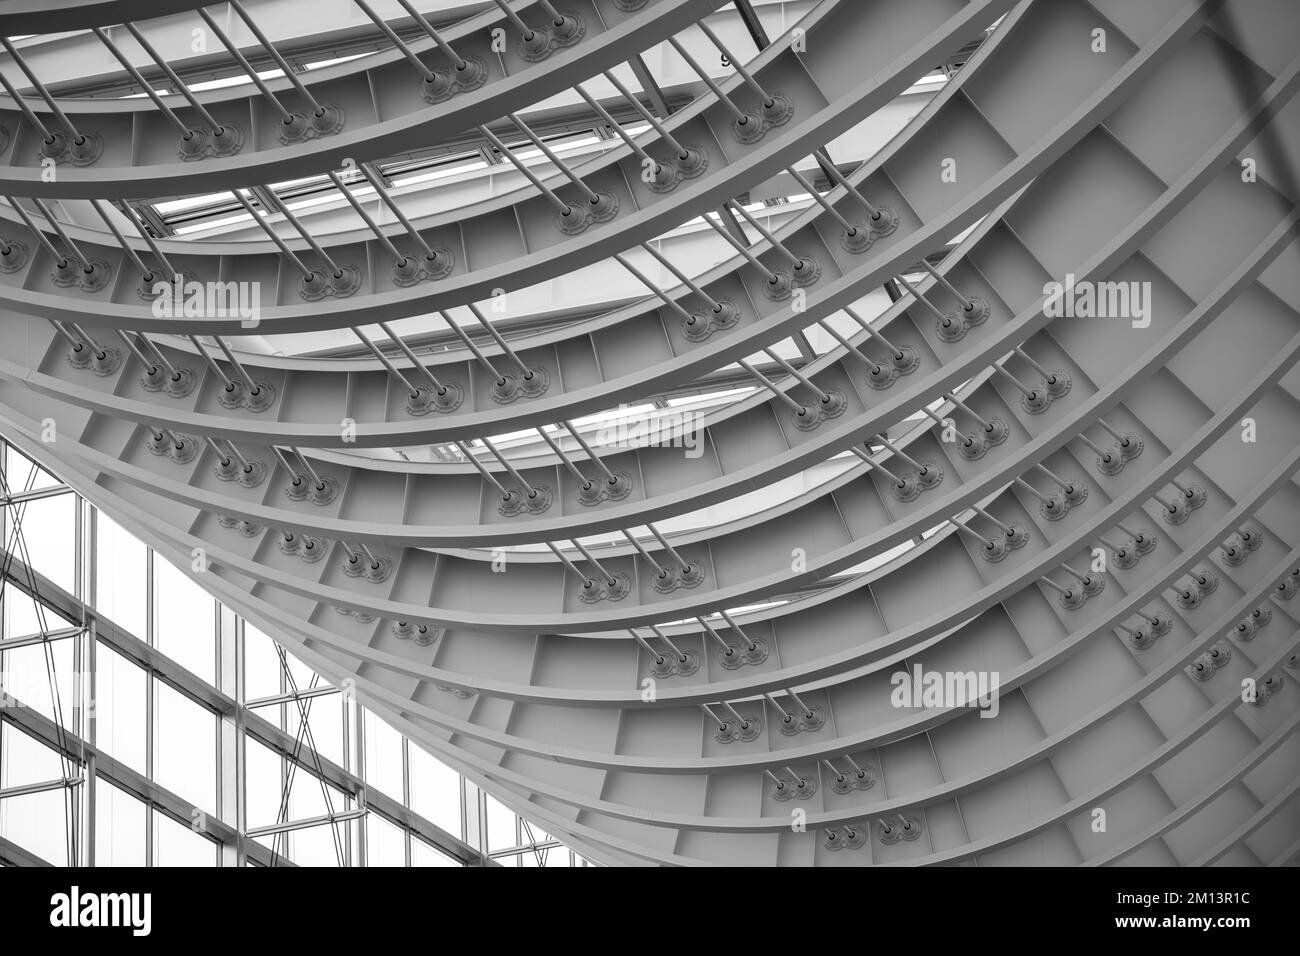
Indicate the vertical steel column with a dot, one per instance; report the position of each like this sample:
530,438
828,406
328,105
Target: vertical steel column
230,730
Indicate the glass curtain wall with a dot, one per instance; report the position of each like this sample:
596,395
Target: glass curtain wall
143,723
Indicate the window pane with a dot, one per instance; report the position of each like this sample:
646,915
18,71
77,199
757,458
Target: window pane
263,784
120,820
176,845
422,854
20,617
36,821
185,629
26,671
312,846
19,469
501,826
435,791
324,720
383,748
120,708
49,531
120,563
24,760
261,667
186,748
385,843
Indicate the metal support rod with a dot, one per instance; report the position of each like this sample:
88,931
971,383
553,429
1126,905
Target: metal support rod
617,127
1022,388
742,118
873,332
722,724
497,337
807,711
587,556
146,86
212,363
27,789
247,67
395,40
568,462
595,459
1002,525
253,387
682,277
744,724
140,229
85,336
550,154
838,177
958,403
795,406
383,194
273,235
401,344
904,456
822,201
916,294
1096,449
672,552
32,118
749,643
1066,486
145,273
295,476
366,218
268,195
664,637
1033,491
649,117
469,344
741,248
795,261
773,701
658,658
966,304
1051,379
76,343
804,380
39,234
513,17
987,542
848,346
275,55
177,82
668,301
482,470
645,554
1064,592
708,628
150,366
878,466
320,485
42,92
501,147
764,97
1124,440
67,240
392,369
505,463
456,59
